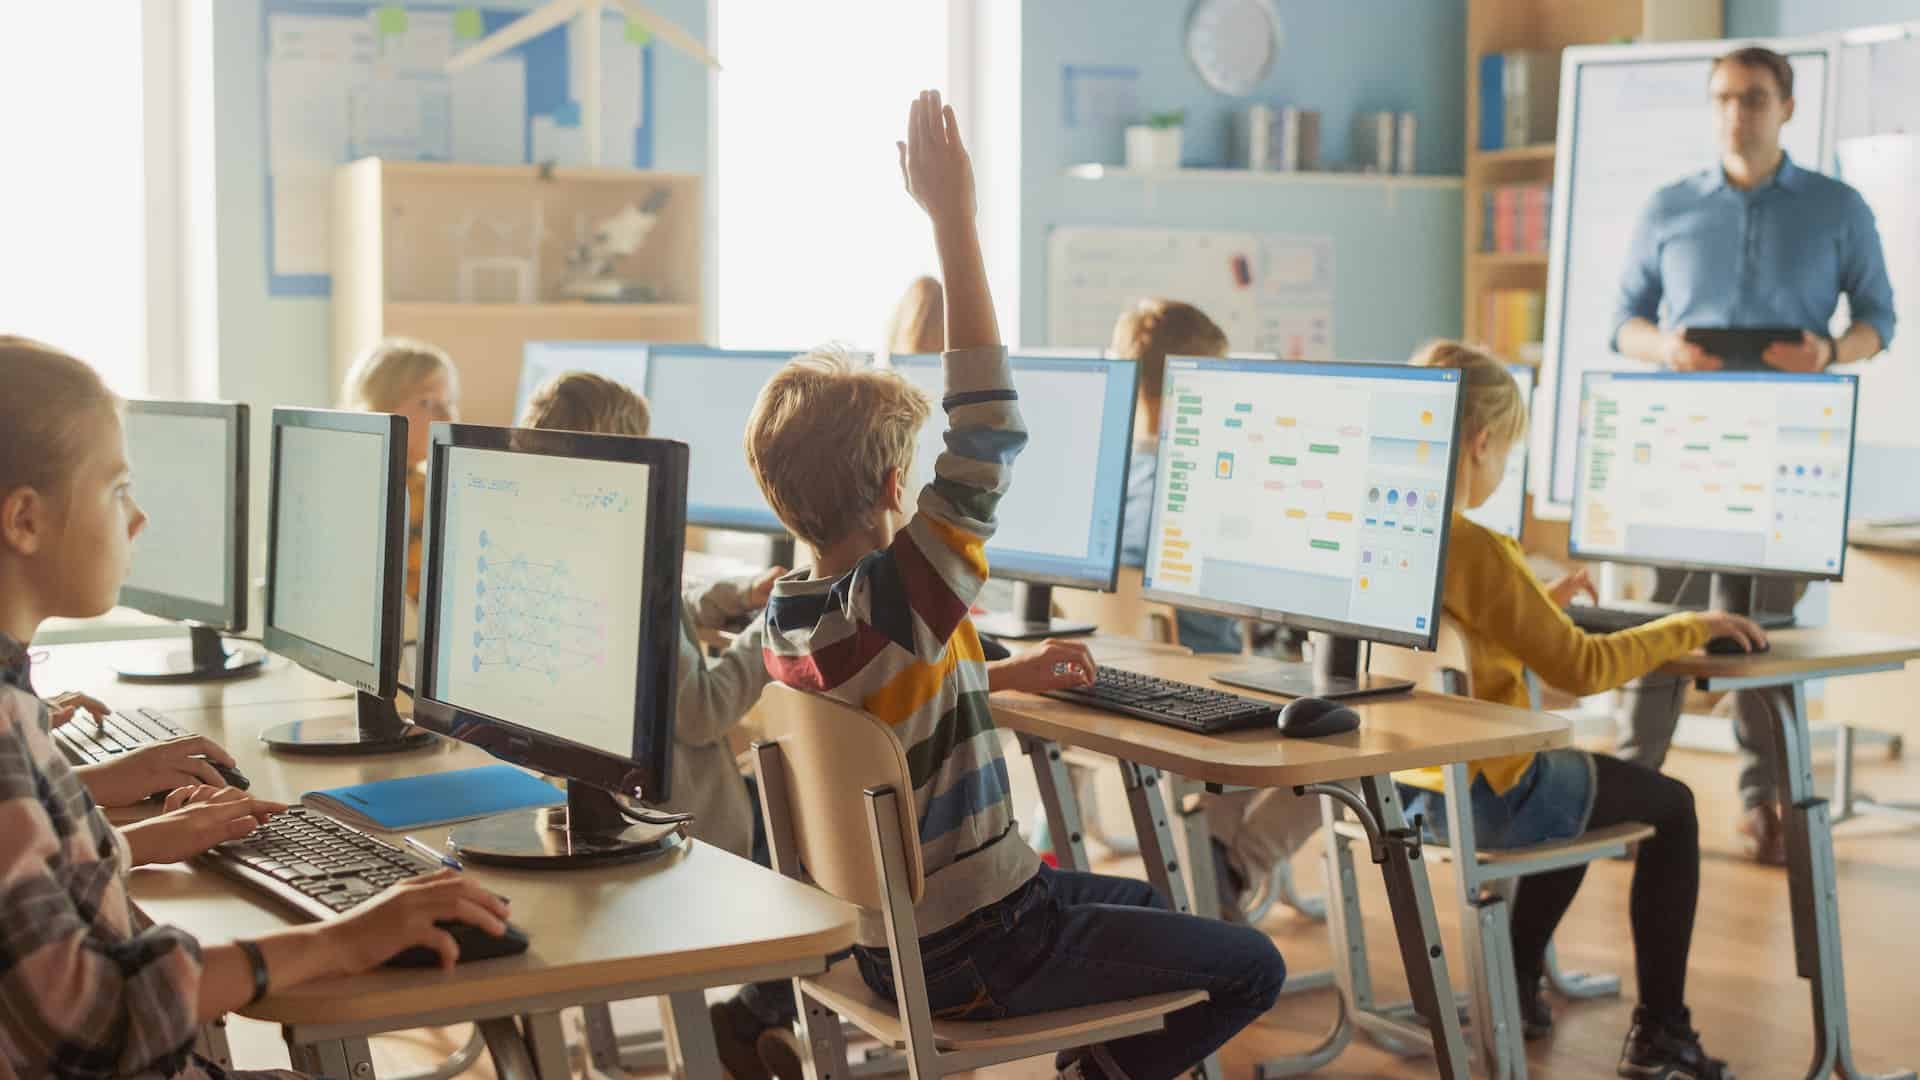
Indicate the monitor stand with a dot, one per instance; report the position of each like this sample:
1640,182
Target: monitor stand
205,659
1031,617
590,830
1334,674
783,551
375,727
1734,594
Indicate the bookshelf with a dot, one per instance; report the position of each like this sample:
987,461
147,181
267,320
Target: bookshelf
1498,25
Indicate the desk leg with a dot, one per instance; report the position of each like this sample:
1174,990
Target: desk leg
692,1036
1149,805
1813,890
1193,843
344,1059
1057,797
212,1044
547,1043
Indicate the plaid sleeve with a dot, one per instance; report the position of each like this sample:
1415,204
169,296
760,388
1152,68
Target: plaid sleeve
88,987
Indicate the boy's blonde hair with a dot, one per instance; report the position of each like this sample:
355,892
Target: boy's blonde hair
919,322
49,398
1156,328
822,438
1489,397
583,401
386,373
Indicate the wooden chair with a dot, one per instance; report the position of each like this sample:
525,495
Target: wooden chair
840,814
1488,880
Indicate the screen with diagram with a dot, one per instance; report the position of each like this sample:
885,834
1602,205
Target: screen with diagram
1060,520
1742,471
625,362
329,535
1316,491
702,397
184,482
540,592
1505,511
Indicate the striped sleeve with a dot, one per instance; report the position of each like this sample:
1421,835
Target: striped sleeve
938,562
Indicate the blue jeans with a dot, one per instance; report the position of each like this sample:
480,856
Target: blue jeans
1551,801
1065,940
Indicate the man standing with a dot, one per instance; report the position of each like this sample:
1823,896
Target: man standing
1755,241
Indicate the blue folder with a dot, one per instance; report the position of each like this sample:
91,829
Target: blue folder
413,802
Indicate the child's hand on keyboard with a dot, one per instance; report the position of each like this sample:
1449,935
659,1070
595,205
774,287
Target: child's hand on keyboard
62,708
135,775
205,818
405,915
1055,665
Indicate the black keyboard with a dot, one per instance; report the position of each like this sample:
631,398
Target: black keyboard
1607,620
85,744
1175,704
321,868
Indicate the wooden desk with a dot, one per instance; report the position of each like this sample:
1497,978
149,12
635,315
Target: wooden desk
1796,657
670,927
1400,732
89,668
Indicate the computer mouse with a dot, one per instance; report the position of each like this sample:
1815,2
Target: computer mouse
991,649
1312,717
234,777
475,944
1727,646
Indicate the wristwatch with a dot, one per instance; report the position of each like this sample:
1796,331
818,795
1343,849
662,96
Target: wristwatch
258,961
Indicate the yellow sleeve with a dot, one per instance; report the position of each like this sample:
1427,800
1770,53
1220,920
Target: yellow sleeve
1492,593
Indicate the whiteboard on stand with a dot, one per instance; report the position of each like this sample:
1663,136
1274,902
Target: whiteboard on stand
1885,170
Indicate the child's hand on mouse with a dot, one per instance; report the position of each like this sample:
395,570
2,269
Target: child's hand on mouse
134,775
1055,665
934,164
1724,624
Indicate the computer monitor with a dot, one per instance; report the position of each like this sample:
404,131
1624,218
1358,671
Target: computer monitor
1505,511
549,622
189,468
336,568
1059,523
702,397
1729,473
625,362
1313,494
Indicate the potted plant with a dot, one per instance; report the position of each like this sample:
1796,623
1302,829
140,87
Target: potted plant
1156,143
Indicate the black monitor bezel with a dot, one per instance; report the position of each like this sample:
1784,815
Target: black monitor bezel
230,616
380,677
1707,566
1294,619
647,774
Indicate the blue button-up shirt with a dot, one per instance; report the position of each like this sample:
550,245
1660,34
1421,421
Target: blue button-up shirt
1708,254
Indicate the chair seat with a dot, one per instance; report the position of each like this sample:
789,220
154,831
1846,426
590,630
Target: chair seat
842,990
1597,841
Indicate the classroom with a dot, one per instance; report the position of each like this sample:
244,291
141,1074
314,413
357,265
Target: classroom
730,540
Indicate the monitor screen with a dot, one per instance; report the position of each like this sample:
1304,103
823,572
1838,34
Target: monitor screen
1505,511
552,598
1735,471
189,467
336,543
1317,494
625,362
1059,523
702,397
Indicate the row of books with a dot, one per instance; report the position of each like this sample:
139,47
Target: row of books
1519,97
1512,319
1514,217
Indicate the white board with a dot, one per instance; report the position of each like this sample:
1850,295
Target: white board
1269,292
1633,118
1885,169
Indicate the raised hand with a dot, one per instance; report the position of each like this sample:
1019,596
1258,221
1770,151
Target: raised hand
935,166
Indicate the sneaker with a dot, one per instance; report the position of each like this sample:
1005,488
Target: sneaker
1764,840
736,1034
1667,1051
1536,1018
1231,882
779,1052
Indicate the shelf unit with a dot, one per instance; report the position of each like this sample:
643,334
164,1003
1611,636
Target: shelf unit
1096,171
406,234
1498,25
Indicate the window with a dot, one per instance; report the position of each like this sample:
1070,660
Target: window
73,269
817,236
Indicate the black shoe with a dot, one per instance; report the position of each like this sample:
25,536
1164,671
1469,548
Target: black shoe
1232,886
1667,1051
736,1034
1536,1019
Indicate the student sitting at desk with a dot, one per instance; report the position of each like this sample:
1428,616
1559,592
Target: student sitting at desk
880,623
92,987
417,381
918,325
1512,623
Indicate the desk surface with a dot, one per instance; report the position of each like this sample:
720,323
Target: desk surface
1885,537
1404,731
89,668
1807,651
696,913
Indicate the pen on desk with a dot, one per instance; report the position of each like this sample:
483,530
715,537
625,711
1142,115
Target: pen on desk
442,858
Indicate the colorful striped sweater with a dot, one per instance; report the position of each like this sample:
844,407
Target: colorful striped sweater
892,637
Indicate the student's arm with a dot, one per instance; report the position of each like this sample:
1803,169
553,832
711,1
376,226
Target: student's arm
714,694
939,176
1490,591
714,603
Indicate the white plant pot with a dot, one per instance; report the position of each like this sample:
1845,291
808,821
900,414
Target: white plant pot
1152,147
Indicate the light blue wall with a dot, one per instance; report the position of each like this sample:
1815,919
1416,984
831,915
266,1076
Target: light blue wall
1782,18
1397,263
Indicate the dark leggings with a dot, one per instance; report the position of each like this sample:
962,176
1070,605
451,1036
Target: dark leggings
1666,883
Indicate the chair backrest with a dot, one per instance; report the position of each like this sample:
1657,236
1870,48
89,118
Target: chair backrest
1448,668
831,755
1123,611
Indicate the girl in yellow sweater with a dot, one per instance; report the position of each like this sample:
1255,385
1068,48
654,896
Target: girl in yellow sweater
1512,623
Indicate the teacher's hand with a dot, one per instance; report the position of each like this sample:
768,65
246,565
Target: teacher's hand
1812,353
1684,355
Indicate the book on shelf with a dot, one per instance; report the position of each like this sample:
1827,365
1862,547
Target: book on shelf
1519,97
1511,320
1515,219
